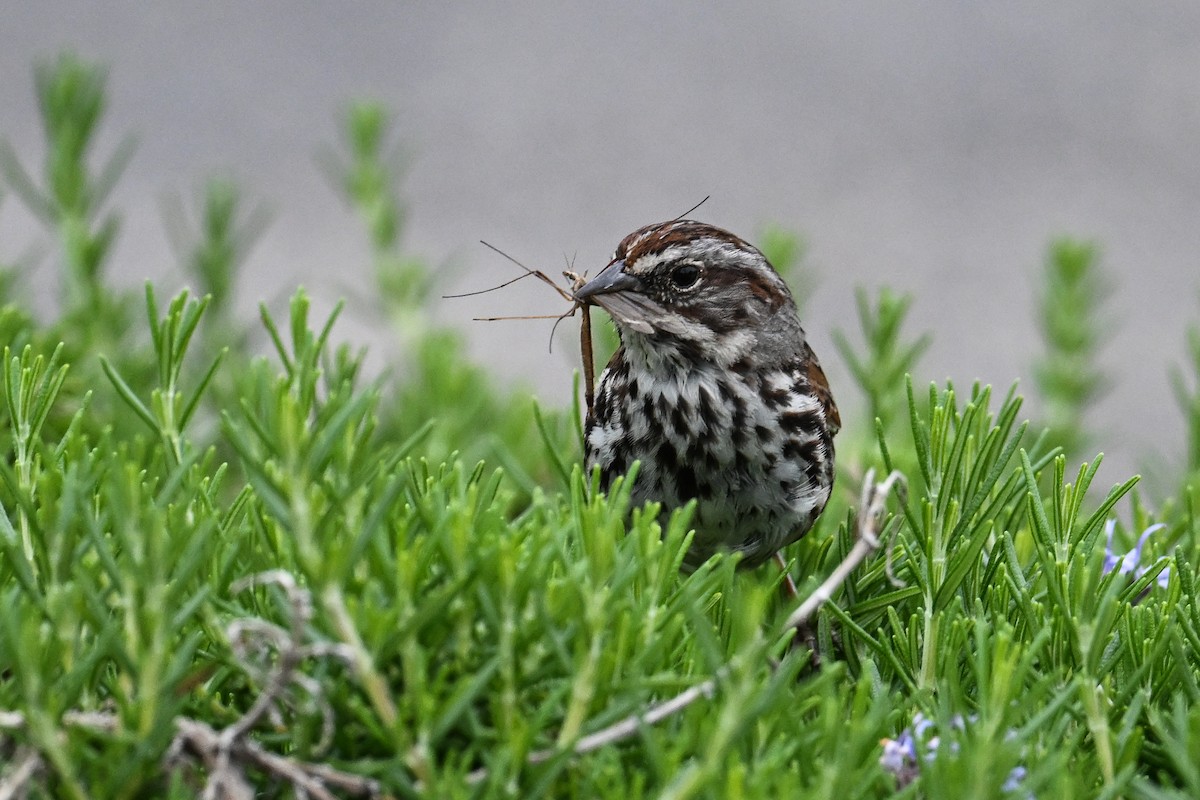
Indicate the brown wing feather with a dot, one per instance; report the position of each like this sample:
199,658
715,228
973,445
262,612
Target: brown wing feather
820,388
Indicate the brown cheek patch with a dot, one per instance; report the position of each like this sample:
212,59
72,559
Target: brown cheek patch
766,293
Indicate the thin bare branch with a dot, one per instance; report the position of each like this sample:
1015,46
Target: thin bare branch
199,740
225,754
291,653
789,585
26,764
871,511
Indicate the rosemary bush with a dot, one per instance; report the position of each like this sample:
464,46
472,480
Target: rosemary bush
265,575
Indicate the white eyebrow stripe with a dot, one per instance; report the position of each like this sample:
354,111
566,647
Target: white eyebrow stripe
648,262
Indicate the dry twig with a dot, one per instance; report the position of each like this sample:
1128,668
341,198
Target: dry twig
26,764
227,752
867,540
870,512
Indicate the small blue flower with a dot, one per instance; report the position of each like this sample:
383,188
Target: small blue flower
899,755
1131,563
919,742
1015,777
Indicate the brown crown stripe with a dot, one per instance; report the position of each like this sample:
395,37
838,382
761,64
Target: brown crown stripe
658,237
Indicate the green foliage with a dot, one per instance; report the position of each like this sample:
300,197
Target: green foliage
1189,401
785,251
225,233
880,370
434,372
368,176
71,98
1067,376
468,609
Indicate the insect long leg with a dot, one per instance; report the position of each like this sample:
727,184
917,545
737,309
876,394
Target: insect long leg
585,333
485,291
537,273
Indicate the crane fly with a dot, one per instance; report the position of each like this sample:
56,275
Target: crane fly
585,329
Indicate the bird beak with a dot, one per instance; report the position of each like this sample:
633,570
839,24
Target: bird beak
612,278
619,293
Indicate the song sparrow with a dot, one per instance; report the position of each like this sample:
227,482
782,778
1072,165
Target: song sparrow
714,389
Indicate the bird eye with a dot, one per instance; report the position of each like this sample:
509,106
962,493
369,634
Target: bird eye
685,276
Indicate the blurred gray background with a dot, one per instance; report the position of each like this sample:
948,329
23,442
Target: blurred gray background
934,147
